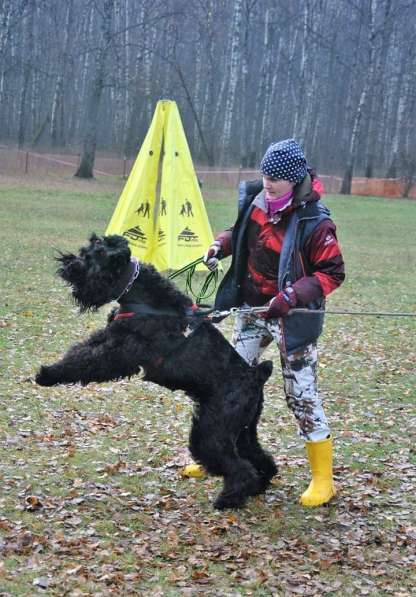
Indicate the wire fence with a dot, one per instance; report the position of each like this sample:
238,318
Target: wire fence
14,162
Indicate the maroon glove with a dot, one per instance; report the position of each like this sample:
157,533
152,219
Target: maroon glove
280,305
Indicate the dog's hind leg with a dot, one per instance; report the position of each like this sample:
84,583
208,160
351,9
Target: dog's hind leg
249,448
248,445
212,445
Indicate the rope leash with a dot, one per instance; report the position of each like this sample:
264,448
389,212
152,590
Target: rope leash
208,287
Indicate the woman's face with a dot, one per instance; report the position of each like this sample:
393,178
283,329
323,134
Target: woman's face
276,187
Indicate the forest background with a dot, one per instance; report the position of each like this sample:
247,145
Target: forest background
336,74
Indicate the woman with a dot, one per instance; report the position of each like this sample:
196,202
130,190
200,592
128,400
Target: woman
285,255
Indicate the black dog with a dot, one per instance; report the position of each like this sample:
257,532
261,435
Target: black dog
150,331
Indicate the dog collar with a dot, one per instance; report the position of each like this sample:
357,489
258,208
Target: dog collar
133,277
140,310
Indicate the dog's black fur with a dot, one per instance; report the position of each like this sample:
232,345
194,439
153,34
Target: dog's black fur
228,394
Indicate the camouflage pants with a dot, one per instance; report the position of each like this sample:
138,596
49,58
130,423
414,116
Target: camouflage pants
251,336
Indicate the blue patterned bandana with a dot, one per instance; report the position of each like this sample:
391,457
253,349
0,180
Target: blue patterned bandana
284,160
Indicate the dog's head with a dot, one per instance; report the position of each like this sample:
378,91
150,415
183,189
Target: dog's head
99,273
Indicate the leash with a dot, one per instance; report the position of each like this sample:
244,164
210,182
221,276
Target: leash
211,280
208,287
262,309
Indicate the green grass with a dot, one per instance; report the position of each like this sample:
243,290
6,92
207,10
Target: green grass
115,515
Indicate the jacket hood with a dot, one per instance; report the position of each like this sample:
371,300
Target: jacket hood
303,192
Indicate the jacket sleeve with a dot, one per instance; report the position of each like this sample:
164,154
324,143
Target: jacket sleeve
225,239
324,264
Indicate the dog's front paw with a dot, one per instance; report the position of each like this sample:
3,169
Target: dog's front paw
228,500
44,377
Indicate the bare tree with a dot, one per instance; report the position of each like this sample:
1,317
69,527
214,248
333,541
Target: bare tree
363,99
57,112
234,72
258,124
11,15
337,75
27,67
85,169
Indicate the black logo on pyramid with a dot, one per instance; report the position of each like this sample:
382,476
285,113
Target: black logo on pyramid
144,210
188,236
186,209
161,235
135,234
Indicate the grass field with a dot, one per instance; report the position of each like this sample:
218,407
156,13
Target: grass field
92,502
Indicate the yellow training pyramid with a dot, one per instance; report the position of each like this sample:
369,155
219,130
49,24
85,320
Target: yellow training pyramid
173,229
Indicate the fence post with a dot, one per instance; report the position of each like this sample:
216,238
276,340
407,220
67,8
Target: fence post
27,162
124,167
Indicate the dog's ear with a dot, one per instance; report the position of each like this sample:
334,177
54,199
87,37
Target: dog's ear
118,250
116,242
263,371
93,238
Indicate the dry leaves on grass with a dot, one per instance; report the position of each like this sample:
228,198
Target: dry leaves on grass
92,500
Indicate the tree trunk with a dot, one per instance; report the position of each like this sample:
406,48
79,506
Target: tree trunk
26,74
234,71
4,40
377,99
405,82
56,128
117,88
86,166
149,35
245,56
131,140
257,124
271,57
196,98
88,25
302,104
347,180
368,82
210,158
348,173
207,118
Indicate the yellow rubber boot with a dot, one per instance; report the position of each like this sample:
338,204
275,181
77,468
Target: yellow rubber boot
193,470
321,488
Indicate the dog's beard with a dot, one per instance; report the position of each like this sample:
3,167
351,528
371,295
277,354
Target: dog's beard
93,285
97,290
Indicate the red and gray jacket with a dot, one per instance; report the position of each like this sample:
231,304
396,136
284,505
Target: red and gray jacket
307,257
